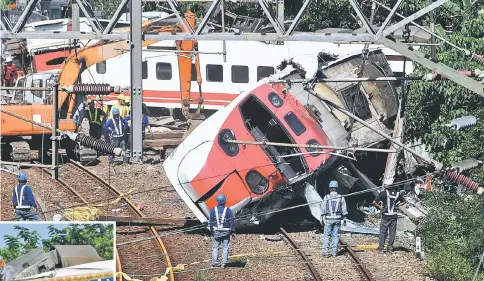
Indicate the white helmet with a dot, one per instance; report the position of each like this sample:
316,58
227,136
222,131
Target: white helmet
57,217
8,59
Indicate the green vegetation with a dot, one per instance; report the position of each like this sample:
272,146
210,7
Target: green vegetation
453,234
98,235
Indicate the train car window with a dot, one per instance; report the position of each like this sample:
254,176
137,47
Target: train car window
144,70
296,126
163,71
357,101
264,71
215,73
240,74
37,83
257,183
101,67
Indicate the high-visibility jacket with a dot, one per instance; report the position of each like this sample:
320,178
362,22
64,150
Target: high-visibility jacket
334,206
95,115
23,198
117,128
123,110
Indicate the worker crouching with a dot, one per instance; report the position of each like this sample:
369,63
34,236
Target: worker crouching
117,128
222,226
23,200
333,211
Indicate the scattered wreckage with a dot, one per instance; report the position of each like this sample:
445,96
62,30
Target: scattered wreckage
41,264
218,156
284,140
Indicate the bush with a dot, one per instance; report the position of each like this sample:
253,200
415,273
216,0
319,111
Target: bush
453,235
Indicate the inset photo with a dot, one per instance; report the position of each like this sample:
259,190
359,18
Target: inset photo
57,251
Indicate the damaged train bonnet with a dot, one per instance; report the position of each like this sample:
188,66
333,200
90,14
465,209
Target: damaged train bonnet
259,179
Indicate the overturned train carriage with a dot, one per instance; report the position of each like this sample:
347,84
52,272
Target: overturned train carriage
261,178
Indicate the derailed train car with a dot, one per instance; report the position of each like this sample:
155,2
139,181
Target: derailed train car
261,178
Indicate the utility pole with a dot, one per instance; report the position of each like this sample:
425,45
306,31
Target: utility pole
433,50
55,126
280,12
76,22
136,39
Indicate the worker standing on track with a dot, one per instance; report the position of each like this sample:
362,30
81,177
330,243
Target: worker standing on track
222,226
7,272
95,116
23,200
390,199
117,127
333,211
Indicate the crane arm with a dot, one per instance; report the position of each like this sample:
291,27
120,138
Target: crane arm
74,65
188,56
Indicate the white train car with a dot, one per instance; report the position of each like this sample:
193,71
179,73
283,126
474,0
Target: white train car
101,269
246,62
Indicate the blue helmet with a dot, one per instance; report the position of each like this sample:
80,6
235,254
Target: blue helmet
115,111
221,199
22,177
333,184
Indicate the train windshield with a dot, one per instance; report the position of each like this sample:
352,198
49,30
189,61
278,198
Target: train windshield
263,125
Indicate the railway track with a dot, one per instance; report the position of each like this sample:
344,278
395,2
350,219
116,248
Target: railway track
348,266
132,259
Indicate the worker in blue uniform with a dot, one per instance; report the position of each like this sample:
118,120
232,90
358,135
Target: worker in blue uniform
334,211
117,128
222,226
23,200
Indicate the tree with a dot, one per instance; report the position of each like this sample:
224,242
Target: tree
453,235
100,236
453,231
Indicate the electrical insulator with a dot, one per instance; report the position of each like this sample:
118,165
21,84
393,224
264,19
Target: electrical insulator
92,89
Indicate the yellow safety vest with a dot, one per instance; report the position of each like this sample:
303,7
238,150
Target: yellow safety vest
123,110
94,120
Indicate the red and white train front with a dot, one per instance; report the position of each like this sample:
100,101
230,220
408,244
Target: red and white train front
255,178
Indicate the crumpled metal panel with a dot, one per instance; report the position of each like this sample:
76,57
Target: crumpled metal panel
382,94
70,255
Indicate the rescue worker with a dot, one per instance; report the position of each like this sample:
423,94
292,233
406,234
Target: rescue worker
106,117
7,272
145,124
94,115
127,105
120,106
127,108
222,226
23,200
11,73
390,199
117,127
333,211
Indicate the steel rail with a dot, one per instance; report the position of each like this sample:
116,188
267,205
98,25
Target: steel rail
137,211
308,263
366,273
119,268
128,201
